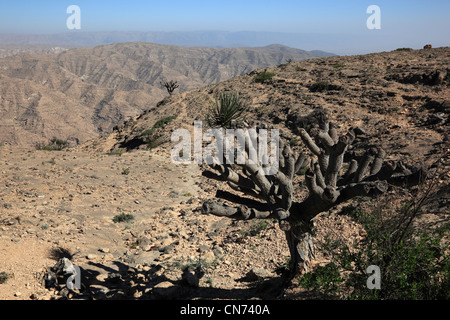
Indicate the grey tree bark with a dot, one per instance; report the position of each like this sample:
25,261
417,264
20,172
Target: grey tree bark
327,184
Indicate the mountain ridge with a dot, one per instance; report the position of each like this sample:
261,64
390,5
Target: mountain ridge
209,39
81,93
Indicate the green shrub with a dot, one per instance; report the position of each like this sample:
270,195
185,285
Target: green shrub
413,262
326,278
3,277
162,122
263,76
55,144
256,228
158,124
320,86
123,217
116,152
148,134
227,108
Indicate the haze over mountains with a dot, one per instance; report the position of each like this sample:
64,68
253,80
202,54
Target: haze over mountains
213,39
78,94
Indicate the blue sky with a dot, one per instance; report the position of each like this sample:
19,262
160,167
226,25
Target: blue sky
420,21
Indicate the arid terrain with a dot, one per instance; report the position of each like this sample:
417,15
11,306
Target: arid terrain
79,94
57,204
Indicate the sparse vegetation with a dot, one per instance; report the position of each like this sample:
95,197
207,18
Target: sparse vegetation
123,217
256,228
170,86
162,122
4,277
413,260
338,65
320,86
227,108
126,171
158,124
326,279
149,134
55,144
263,76
116,152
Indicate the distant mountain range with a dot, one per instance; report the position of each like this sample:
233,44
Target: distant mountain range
79,94
212,39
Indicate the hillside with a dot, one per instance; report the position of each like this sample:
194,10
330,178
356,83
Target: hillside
81,93
399,97
65,203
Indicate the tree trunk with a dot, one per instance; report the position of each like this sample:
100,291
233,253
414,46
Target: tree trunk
299,235
301,248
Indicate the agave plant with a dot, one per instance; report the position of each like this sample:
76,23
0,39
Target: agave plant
227,108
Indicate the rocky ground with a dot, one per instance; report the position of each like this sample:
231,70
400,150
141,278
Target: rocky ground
56,204
62,204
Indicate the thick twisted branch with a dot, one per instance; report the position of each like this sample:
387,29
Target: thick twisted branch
326,184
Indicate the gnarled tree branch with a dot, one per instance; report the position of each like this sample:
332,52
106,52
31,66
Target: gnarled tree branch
327,184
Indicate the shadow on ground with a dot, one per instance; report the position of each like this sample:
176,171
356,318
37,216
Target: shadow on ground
119,281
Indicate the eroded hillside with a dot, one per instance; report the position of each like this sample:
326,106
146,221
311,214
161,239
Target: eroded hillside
401,98
80,94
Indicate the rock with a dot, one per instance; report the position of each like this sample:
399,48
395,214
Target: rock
256,274
91,256
166,290
168,249
137,294
98,292
108,257
9,221
218,252
114,277
209,257
190,278
203,248
145,258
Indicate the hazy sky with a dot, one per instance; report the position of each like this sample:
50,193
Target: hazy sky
409,23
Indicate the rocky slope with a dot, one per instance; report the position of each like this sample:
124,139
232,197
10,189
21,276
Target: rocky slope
399,97
81,93
63,203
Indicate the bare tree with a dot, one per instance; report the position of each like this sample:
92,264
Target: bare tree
170,85
327,184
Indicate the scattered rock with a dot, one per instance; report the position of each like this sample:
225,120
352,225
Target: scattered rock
167,290
91,256
144,258
256,274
